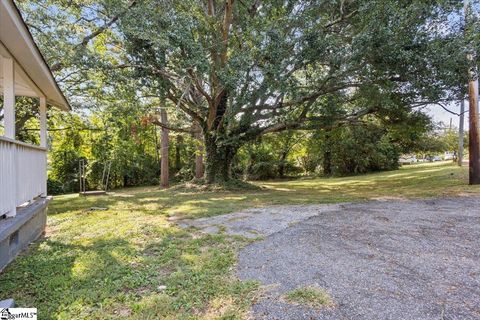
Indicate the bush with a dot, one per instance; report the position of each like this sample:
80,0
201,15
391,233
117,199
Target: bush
362,149
54,187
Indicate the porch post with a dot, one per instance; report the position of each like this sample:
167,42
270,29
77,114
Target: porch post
43,122
9,97
43,141
9,122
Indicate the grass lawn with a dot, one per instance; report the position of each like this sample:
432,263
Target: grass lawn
116,263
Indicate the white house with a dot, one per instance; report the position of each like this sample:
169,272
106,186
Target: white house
23,167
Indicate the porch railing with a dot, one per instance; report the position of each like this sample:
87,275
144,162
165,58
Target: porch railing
23,174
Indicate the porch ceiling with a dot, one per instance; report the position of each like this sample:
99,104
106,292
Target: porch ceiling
33,77
23,85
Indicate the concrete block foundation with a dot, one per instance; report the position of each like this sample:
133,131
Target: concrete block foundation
18,232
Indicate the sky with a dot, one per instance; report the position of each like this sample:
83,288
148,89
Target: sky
439,114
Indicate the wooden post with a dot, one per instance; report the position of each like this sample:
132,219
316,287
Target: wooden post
473,146
199,166
43,139
474,143
461,132
9,97
43,122
9,123
164,174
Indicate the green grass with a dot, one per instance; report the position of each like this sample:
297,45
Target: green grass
309,296
110,264
414,181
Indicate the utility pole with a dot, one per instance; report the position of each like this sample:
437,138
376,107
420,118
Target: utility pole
473,146
461,132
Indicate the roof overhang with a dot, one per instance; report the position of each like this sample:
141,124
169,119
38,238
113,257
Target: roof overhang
33,77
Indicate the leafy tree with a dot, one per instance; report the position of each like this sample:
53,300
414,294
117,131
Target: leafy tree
77,39
246,69
437,140
362,148
242,69
67,149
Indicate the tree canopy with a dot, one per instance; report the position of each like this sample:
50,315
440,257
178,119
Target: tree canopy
247,68
242,69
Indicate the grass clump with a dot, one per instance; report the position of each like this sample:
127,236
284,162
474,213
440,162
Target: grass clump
309,296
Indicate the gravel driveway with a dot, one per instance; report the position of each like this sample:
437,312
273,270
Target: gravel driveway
378,260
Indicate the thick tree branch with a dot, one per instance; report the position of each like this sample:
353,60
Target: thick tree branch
179,103
199,87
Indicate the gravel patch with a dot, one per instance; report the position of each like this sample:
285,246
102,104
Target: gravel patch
259,222
377,260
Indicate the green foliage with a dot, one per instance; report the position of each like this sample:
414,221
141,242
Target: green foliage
64,171
271,156
67,149
119,134
361,149
257,161
280,66
372,145
438,140
55,187
251,70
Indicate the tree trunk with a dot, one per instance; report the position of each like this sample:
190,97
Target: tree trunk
157,147
164,175
178,153
327,155
199,166
219,159
281,165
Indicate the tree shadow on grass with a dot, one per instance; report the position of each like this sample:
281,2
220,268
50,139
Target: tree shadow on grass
109,278
67,280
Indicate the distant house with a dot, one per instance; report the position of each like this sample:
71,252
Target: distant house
23,167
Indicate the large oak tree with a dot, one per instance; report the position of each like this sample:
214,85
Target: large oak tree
244,68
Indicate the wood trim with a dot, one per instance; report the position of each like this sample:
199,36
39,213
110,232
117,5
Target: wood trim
22,144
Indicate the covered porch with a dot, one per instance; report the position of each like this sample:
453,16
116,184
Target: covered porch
23,166
23,72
